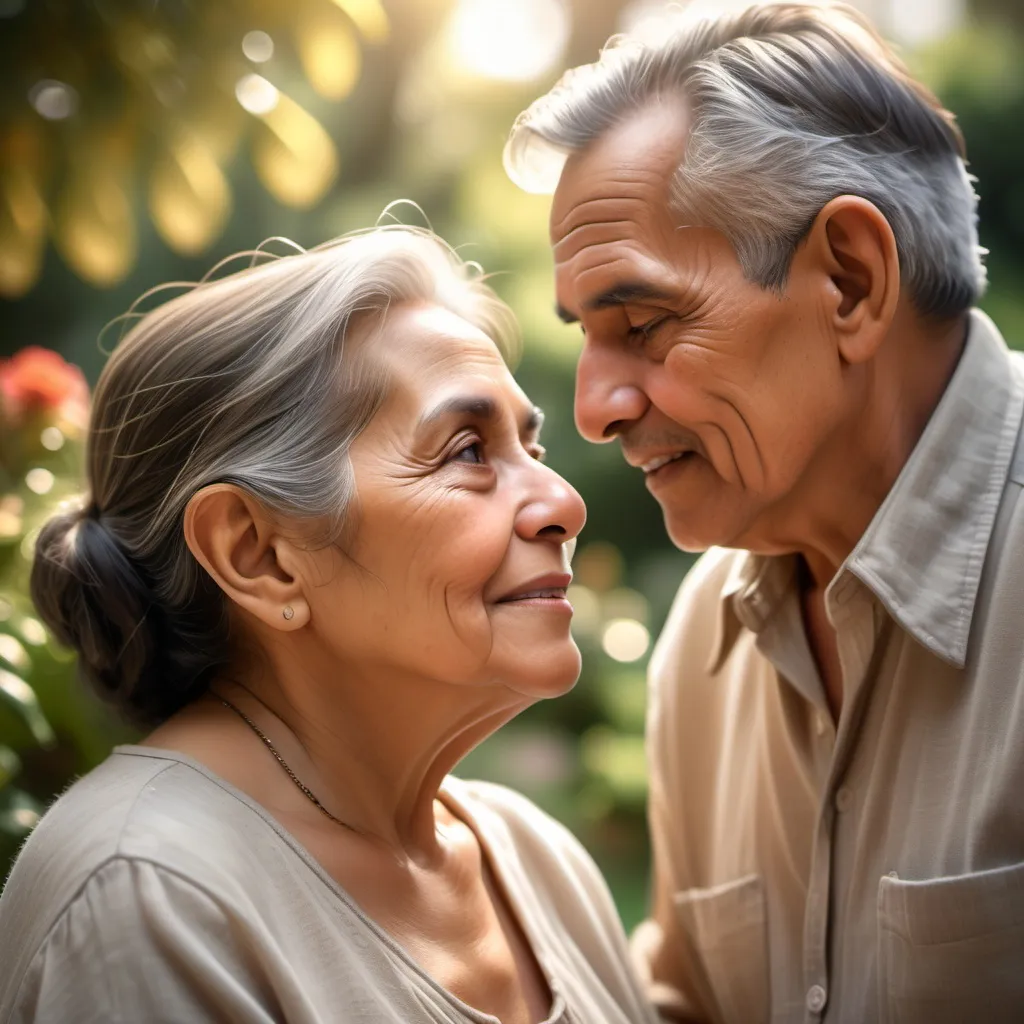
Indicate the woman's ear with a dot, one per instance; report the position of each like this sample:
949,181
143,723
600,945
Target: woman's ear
241,548
853,249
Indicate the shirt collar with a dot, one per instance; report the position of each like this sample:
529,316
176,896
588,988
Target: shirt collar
923,552
753,589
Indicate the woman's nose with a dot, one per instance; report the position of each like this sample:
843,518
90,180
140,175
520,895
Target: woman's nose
607,398
555,511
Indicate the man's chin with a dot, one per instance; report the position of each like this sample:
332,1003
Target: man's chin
696,537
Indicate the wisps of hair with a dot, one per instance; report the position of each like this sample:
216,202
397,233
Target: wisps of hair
242,379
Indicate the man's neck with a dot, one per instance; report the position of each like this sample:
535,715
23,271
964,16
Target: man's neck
895,396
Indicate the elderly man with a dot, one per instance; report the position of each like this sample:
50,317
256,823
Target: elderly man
765,229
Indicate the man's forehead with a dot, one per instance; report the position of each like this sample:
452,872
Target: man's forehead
628,167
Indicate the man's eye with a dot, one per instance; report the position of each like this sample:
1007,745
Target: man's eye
472,453
646,330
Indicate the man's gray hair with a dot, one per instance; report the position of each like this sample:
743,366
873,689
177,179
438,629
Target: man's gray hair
792,105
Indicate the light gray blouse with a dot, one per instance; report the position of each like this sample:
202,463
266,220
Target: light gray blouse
154,891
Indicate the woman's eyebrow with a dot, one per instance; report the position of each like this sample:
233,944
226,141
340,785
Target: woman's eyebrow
480,407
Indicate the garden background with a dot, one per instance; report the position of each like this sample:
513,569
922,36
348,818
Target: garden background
143,140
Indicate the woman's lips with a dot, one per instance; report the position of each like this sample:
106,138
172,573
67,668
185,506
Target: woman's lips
548,590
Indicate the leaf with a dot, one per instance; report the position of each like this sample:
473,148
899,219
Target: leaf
22,209
369,17
294,156
329,52
18,695
22,231
189,197
94,223
13,654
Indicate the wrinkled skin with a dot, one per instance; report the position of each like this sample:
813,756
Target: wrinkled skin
683,353
452,515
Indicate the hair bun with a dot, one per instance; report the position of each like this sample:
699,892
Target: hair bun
93,598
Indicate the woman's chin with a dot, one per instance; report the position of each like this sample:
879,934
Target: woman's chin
547,673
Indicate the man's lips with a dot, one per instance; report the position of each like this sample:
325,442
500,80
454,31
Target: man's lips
551,586
651,462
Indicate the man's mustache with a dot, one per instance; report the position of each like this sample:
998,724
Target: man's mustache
640,445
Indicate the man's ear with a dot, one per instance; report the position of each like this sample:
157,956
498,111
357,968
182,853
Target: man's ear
234,540
853,251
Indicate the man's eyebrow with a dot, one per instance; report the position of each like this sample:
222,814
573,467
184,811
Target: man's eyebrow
630,291
479,407
619,295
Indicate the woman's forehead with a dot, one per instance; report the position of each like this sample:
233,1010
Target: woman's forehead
429,351
420,343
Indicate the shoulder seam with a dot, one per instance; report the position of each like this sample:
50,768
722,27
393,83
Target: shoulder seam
131,811
80,892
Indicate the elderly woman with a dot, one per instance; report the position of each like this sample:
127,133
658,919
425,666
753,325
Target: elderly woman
322,555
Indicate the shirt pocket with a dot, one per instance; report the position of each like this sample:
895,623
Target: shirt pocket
951,950
727,926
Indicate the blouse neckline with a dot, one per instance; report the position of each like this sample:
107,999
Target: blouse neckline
502,873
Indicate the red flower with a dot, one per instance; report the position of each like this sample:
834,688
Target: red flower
40,380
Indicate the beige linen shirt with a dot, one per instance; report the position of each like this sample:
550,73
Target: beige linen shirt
154,892
871,870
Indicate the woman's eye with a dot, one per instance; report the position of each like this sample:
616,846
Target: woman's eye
539,452
471,453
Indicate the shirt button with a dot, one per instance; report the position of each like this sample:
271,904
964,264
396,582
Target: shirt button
844,799
816,999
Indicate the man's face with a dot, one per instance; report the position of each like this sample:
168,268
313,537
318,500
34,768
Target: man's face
721,392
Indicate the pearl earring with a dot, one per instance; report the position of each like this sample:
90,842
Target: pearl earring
288,612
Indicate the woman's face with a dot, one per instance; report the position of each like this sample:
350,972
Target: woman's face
458,561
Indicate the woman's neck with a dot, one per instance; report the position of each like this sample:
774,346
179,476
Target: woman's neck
374,751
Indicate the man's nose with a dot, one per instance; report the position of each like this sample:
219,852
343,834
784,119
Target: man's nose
608,395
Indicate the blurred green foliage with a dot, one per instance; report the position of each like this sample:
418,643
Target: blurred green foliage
50,729
419,129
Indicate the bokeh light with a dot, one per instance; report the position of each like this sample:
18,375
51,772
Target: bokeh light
52,439
257,46
509,41
586,609
39,481
625,639
25,817
599,565
255,94
53,100
12,652
33,631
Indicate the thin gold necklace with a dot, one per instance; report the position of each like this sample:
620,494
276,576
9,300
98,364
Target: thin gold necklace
284,764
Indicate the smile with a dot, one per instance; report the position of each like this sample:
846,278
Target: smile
551,593
662,460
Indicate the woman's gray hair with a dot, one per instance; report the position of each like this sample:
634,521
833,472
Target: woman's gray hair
792,104
243,380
